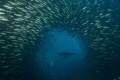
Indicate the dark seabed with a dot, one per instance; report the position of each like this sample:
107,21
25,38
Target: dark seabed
59,39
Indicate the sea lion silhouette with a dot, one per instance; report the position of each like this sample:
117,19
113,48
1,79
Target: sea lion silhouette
65,54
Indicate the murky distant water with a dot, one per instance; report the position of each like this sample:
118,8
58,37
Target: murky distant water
72,67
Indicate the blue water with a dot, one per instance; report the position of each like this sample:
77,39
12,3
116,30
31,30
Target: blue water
70,68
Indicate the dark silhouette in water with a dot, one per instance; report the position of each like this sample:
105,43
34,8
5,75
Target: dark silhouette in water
65,54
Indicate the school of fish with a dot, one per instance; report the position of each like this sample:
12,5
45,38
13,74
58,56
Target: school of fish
25,23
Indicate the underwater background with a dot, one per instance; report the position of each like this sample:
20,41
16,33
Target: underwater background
60,40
